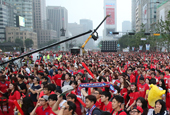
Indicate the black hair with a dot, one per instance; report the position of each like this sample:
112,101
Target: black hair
152,81
101,77
49,88
15,89
21,76
167,70
119,98
53,97
106,94
73,96
74,82
163,105
31,77
45,77
144,105
162,73
72,106
105,113
53,87
42,74
27,103
117,88
163,84
91,98
69,74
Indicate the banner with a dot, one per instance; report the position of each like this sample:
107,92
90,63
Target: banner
133,48
98,84
145,14
140,47
147,46
111,19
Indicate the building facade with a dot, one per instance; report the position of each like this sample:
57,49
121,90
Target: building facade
110,25
14,32
7,18
24,9
87,25
133,10
126,26
58,17
162,10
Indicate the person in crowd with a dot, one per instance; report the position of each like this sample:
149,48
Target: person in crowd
4,85
117,101
33,90
52,99
21,85
142,87
67,79
14,93
132,95
105,97
7,106
160,108
90,105
42,107
141,102
27,105
136,111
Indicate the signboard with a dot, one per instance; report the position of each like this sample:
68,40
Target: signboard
21,21
140,47
143,39
147,47
145,14
111,19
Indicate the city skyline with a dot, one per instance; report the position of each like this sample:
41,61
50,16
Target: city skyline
74,15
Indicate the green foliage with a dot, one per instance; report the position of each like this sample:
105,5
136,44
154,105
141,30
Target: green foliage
19,42
29,43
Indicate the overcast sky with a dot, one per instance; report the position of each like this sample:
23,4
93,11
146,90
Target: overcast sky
93,9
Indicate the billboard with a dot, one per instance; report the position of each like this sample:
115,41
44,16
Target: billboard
145,14
20,21
110,20
162,15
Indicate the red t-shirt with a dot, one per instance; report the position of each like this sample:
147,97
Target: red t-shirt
41,111
99,104
11,106
121,113
142,89
4,86
42,94
15,96
108,107
133,96
57,79
132,78
123,91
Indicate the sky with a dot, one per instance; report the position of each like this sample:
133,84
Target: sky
93,10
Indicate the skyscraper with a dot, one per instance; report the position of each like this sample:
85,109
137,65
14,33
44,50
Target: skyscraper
126,26
7,18
24,9
110,25
87,25
133,14
58,16
40,22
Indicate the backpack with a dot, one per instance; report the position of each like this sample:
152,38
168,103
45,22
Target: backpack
97,109
118,111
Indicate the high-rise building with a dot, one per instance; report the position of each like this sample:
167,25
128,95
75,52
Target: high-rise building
7,18
87,25
110,25
24,9
39,14
40,22
133,15
162,10
58,16
126,26
145,12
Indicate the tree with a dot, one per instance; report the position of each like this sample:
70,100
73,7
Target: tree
28,43
19,42
163,27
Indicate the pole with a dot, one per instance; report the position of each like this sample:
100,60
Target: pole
57,43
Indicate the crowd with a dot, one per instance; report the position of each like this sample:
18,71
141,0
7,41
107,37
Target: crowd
38,88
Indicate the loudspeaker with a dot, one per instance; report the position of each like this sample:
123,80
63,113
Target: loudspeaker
109,46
